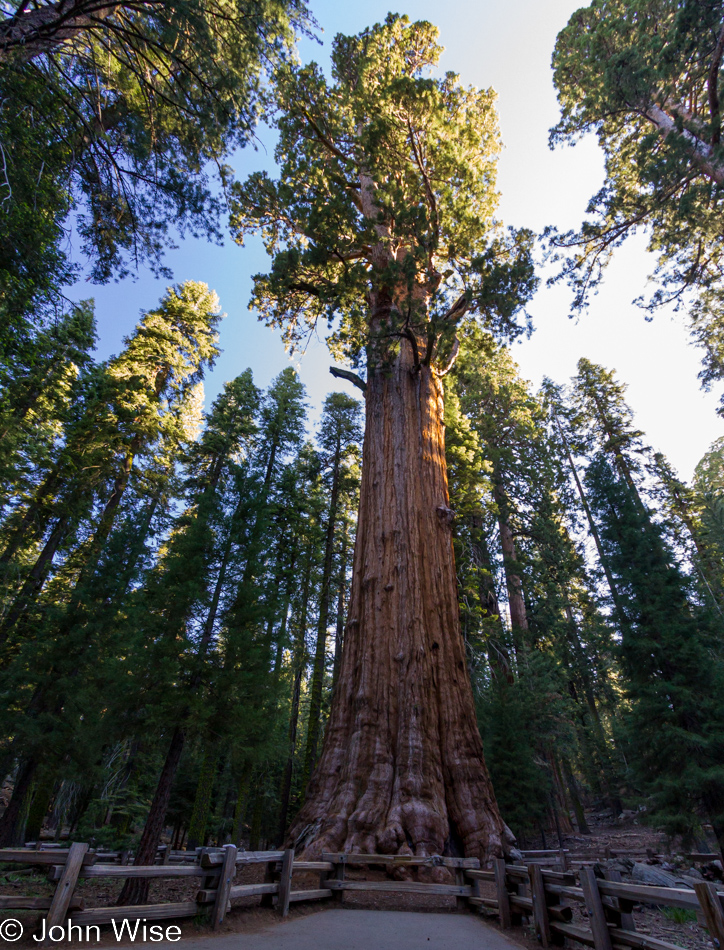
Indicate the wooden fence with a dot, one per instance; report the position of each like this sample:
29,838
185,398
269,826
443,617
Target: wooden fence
528,890
547,896
563,859
215,868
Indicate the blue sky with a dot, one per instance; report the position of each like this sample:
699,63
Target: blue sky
507,46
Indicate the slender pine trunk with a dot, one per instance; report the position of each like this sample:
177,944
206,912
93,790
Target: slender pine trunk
497,650
320,654
575,794
516,601
237,829
341,598
202,800
135,890
10,821
593,528
298,662
35,579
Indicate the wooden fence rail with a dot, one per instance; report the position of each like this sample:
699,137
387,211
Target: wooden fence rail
539,894
164,853
544,895
216,868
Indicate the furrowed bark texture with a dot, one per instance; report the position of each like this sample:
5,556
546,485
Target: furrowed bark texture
402,767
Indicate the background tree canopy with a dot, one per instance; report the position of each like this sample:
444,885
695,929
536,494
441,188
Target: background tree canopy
117,119
646,76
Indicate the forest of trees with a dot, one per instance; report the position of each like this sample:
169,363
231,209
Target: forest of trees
218,621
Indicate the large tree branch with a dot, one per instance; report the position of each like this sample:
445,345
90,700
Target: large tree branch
712,84
699,151
432,203
431,340
305,288
29,33
458,310
349,376
453,316
324,139
451,362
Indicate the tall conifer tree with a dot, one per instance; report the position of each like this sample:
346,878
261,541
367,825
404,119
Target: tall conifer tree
383,215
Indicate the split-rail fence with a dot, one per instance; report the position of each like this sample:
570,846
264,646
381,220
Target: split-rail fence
526,889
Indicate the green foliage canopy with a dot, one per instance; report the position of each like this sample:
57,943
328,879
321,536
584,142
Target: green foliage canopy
117,112
385,202
646,77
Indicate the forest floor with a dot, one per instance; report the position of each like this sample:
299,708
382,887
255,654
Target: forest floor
672,925
676,927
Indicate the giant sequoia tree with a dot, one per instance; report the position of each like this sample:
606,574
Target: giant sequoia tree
382,224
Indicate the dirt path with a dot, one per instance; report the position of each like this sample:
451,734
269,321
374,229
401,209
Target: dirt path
342,929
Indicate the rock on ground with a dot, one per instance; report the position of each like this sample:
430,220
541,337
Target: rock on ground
648,874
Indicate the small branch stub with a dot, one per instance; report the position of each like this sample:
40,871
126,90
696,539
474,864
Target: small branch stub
445,514
349,376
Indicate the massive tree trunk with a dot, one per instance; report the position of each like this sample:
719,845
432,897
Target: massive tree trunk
402,767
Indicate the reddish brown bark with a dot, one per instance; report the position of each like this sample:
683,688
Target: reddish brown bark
402,767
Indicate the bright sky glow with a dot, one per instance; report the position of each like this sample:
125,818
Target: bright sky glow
506,46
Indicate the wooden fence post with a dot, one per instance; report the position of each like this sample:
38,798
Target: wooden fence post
596,913
506,921
562,860
711,906
285,882
270,877
66,885
460,902
339,875
540,908
622,907
477,891
210,881
223,885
